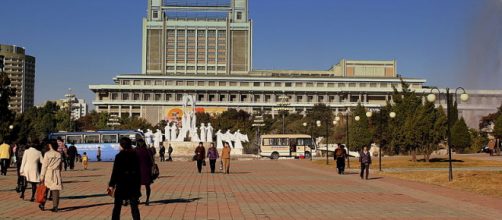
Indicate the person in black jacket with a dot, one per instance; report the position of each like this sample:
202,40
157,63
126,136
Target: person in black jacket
126,180
365,160
72,154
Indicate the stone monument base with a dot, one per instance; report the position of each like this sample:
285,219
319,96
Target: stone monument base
185,149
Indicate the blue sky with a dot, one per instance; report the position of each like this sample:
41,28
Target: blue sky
78,43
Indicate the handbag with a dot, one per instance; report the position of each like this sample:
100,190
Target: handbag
155,172
111,192
40,195
203,163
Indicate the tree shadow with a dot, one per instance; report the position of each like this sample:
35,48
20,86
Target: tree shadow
75,181
84,196
239,173
73,208
375,178
87,176
162,177
169,201
440,160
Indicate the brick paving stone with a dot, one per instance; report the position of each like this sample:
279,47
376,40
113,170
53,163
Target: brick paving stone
259,189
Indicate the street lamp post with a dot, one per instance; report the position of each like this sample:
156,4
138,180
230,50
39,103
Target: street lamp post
305,124
391,115
283,108
432,98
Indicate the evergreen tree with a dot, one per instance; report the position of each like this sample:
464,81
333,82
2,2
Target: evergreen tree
6,115
359,132
460,136
497,132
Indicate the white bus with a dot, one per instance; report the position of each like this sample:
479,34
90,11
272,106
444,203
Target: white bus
286,145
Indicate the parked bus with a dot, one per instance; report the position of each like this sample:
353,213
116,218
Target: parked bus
89,142
286,145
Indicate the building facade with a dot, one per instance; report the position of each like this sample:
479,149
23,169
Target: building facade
20,68
79,107
210,58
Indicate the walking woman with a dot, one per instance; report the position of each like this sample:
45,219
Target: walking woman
51,174
340,155
29,170
145,166
200,156
225,157
125,179
365,160
212,154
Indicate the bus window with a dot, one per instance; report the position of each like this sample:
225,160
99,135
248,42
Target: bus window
55,137
283,142
270,141
91,139
109,138
300,142
74,139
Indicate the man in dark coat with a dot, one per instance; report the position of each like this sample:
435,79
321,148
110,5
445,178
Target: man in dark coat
126,179
72,154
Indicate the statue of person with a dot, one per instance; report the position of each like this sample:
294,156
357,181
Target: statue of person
238,138
174,131
167,132
194,137
157,139
203,132
219,139
229,137
148,137
209,133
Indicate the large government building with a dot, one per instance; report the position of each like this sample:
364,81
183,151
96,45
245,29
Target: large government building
205,50
20,68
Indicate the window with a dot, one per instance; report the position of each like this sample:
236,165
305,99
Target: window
91,139
74,139
125,96
320,84
362,85
155,14
244,84
352,84
179,83
233,83
331,85
126,82
278,84
137,82
270,141
288,84
310,84
212,83
109,138
200,83
267,84
257,84
190,83
146,97
373,85
115,96
298,84
158,97
239,15
136,96
148,82
159,83
222,83
341,85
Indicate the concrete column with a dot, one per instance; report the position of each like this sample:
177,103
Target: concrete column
120,111
365,98
130,111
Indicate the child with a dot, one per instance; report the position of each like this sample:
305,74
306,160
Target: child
85,160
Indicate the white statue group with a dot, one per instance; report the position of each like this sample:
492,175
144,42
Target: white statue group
189,130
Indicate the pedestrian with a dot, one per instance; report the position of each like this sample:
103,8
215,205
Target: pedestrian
125,180
162,152
12,152
4,157
340,155
365,160
29,169
98,154
85,161
169,152
72,154
51,174
18,153
225,157
145,166
212,154
63,150
200,156
491,146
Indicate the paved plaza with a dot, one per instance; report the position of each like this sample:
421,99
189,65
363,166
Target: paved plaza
257,189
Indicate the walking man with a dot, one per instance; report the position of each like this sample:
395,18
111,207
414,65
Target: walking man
340,155
98,155
4,158
169,152
162,152
365,160
225,157
72,154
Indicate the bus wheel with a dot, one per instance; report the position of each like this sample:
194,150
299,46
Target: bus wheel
308,155
274,156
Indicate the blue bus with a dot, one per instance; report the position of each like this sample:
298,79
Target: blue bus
90,141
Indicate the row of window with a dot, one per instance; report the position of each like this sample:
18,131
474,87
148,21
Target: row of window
238,98
254,84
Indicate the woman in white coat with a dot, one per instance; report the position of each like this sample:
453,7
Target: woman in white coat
51,174
29,169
